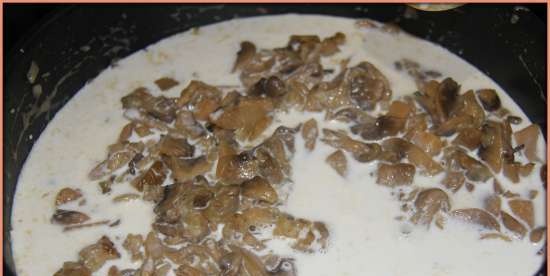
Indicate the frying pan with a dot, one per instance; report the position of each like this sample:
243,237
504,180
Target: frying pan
74,44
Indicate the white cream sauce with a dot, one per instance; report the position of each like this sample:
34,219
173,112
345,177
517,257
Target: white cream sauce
366,239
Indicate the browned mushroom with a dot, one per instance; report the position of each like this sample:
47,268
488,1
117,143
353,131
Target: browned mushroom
414,154
236,168
489,99
393,175
186,169
259,189
537,234
513,225
249,118
367,85
492,204
362,152
492,147
329,45
67,195
166,83
203,98
67,217
387,125
438,99
529,138
310,133
469,138
73,269
428,142
172,146
154,176
453,180
161,108
477,216
456,159
244,55
133,244
428,203
337,160
524,209
95,255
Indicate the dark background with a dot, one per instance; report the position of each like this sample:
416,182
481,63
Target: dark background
19,18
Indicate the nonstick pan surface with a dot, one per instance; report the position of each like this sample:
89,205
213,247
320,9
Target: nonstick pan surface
506,42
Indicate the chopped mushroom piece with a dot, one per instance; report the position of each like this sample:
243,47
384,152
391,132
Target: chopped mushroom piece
166,83
513,225
537,234
186,169
456,158
133,244
477,216
529,138
492,204
67,195
524,209
489,99
201,97
337,160
453,180
362,152
73,269
414,154
491,236
310,133
154,176
428,203
259,189
249,118
171,146
67,217
469,138
393,175
244,55
492,147
95,255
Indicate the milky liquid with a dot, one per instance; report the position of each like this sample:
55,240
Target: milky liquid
365,237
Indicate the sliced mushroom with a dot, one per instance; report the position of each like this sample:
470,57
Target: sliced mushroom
529,137
73,269
154,176
172,146
469,138
524,209
439,99
249,118
186,169
95,255
310,133
166,83
537,234
489,99
244,55
458,159
203,98
133,244
393,175
428,142
362,152
67,195
477,216
234,169
259,189
67,217
492,147
513,225
428,203
337,160
414,154
492,204
453,180
492,236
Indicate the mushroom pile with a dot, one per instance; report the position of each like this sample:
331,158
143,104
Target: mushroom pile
216,198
